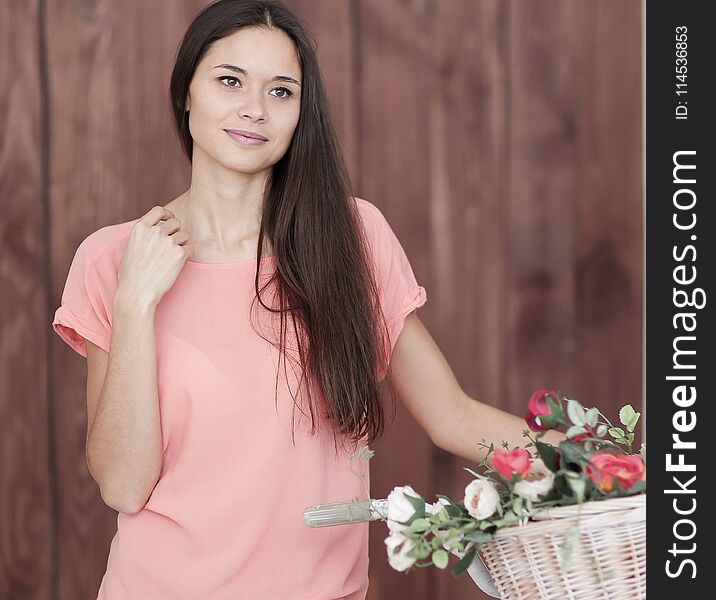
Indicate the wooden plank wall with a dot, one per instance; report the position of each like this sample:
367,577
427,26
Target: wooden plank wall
501,138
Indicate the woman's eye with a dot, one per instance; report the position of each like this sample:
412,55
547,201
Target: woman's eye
286,92
228,77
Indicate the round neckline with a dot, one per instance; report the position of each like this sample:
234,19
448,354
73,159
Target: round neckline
228,265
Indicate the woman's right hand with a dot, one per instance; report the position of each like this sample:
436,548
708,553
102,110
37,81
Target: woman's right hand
154,256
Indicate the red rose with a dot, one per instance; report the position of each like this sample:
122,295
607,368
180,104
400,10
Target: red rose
537,407
604,467
514,461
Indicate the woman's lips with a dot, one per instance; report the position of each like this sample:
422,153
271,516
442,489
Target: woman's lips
244,139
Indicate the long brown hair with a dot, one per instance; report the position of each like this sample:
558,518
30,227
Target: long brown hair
325,279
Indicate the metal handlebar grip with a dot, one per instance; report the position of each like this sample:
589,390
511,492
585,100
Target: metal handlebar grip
344,513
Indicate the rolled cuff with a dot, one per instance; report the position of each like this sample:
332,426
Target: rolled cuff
417,298
73,330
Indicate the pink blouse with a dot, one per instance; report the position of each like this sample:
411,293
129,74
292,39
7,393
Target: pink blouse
225,519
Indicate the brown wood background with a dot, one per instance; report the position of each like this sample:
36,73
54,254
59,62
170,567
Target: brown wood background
501,138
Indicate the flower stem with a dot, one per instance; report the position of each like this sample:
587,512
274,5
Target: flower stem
360,475
608,442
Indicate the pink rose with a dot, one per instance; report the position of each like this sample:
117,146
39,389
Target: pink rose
604,467
515,461
537,407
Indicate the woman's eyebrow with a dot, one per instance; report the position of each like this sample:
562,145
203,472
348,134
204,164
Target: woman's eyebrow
244,72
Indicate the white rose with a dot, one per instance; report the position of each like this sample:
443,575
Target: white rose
398,547
536,482
481,498
436,507
399,507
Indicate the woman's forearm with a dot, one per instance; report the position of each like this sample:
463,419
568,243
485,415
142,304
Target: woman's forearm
124,447
476,420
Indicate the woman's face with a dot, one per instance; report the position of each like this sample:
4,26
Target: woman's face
254,91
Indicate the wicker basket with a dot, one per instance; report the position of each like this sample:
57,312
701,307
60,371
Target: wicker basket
609,563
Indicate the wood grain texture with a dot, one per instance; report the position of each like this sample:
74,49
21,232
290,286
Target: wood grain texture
500,138
28,546
469,206
394,107
609,226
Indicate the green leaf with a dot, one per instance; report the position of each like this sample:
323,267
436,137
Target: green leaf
454,511
601,430
365,453
618,434
548,421
424,551
571,536
576,412
578,484
562,488
631,426
418,504
465,561
420,525
477,536
555,409
592,417
637,487
574,453
514,478
517,506
440,559
510,518
628,417
548,454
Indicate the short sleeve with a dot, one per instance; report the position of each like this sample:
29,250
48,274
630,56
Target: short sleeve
400,293
86,305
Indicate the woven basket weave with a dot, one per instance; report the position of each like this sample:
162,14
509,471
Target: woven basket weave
609,563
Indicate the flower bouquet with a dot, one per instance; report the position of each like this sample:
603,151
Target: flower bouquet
591,546
551,522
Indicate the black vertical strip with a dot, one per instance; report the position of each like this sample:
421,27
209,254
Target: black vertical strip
679,281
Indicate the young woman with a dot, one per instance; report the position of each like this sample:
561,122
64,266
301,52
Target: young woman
264,290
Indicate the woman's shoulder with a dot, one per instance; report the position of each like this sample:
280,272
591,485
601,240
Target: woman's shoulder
373,219
365,208
106,245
